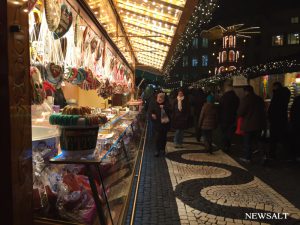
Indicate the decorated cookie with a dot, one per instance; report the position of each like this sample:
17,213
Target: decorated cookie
65,22
37,86
53,13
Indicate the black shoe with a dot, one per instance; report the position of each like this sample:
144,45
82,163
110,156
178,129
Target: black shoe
245,160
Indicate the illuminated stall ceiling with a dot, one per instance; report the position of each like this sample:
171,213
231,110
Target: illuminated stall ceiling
149,27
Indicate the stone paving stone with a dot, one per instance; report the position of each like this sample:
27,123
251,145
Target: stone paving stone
193,223
223,201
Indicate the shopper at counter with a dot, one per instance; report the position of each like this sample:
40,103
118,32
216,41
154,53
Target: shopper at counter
252,111
159,114
228,107
278,117
180,116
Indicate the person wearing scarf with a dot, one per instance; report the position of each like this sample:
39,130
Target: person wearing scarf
158,113
180,115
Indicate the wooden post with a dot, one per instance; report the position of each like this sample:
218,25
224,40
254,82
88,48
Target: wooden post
15,125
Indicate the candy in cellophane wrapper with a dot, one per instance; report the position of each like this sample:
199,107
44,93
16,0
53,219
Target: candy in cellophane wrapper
75,200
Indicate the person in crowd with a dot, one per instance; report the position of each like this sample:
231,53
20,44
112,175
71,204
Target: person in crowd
180,116
208,121
278,117
199,100
252,111
228,107
295,128
159,114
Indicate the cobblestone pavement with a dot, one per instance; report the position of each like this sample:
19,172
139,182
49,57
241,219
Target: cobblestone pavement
190,186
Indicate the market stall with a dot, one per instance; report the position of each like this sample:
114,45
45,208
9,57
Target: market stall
86,133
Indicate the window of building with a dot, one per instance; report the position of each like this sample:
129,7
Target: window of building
185,61
277,40
231,56
231,41
224,57
205,60
194,62
221,69
225,42
204,42
195,43
295,19
293,39
237,55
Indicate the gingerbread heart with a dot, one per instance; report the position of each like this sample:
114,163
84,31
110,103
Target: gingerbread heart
53,13
65,22
94,44
55,70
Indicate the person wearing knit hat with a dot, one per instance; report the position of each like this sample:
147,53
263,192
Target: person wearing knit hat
159,114
208,121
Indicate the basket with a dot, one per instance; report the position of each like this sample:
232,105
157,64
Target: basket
78,140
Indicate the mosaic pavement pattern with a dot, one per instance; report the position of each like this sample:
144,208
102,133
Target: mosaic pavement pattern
190,186
215,189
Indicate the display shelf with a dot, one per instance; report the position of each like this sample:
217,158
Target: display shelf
88,159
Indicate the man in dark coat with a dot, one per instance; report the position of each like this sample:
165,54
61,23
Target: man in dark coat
159,114
278,117
295,128
252,111
228,107
199,99
180,116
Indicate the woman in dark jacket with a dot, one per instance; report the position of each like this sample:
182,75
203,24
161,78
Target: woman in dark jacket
159,114
180,115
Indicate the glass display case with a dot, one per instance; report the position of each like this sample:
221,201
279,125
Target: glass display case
89,189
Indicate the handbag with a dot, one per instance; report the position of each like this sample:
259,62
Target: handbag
239,123
164,117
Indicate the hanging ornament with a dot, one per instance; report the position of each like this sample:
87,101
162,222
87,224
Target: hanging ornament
65,22
53,13
38,92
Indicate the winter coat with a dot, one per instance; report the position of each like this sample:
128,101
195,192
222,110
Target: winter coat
295,114
278,109
229,104
180,119
253,112
154,108
208,117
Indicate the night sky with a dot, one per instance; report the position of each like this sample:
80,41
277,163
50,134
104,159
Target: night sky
236,11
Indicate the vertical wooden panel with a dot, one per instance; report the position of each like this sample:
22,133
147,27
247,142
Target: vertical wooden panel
18,133
5,187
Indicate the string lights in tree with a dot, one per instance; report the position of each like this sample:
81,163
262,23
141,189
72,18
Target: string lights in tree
261,69
201,15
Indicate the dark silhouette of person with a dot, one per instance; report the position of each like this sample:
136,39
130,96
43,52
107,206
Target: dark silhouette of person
228,107
252,111
278,117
